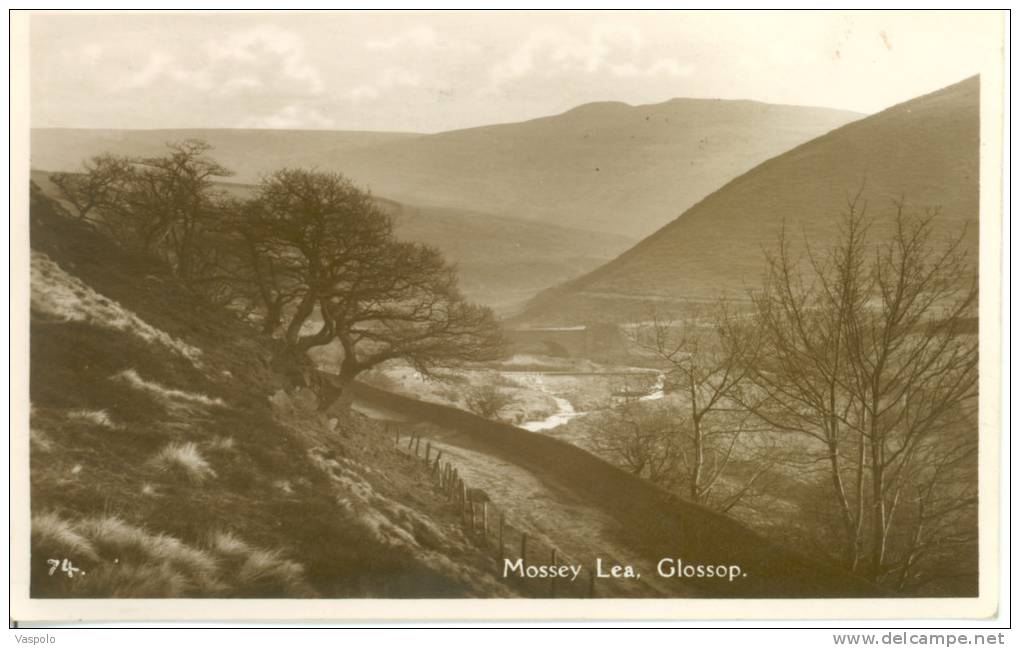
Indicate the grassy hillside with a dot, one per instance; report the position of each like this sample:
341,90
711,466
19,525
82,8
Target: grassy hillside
503,262
170,459
609,167
924,151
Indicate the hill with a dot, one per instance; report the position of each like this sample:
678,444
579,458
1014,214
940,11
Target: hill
608,167
924,151
171,458
502,262
246,152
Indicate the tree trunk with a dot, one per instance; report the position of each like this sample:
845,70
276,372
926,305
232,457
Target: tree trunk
304,309
879,522
274,311
699,460
844,504
336,392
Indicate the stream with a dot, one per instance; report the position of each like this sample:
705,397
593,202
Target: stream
565,410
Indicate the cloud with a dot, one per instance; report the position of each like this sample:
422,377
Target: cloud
661,67
273,47
91,53
291,116
421,37
161,66
257,59
615,49
389,79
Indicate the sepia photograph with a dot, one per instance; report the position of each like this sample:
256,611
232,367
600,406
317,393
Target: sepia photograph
506,314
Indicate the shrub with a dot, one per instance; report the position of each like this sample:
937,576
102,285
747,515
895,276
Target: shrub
487,400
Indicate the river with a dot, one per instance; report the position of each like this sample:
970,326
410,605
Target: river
565,411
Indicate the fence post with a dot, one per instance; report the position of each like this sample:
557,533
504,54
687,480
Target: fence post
417,443
471,510
464,498
428,452
502,547
485,523
552,581
410,441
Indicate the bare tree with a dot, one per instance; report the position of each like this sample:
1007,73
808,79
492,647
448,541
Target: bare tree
487,400
723,455
801,367
909,367
161,205
406,305
332,254
95,186
867,359
642,437
305,234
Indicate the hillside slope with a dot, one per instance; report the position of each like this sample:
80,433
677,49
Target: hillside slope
608,167
605,166
167,459
503,262
924,151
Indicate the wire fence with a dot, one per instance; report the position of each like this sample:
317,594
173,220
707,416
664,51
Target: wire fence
528,560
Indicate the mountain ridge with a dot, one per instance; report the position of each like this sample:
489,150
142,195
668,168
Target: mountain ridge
941,130
581,168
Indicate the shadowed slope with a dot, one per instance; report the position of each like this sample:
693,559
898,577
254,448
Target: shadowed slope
924,150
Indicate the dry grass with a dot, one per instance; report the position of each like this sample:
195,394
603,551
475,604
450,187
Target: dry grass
40,441
58,538
224,443
98,418
186,459
120,559
60,295
260,567
171,397
125,542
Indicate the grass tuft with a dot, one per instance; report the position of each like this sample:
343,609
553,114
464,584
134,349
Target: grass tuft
98,418
55,538
184,458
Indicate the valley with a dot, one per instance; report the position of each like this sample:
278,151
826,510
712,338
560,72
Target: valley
616,400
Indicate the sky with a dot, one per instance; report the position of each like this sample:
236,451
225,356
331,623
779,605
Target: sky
430,72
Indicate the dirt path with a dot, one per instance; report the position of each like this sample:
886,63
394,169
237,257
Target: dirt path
535,501
590,509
